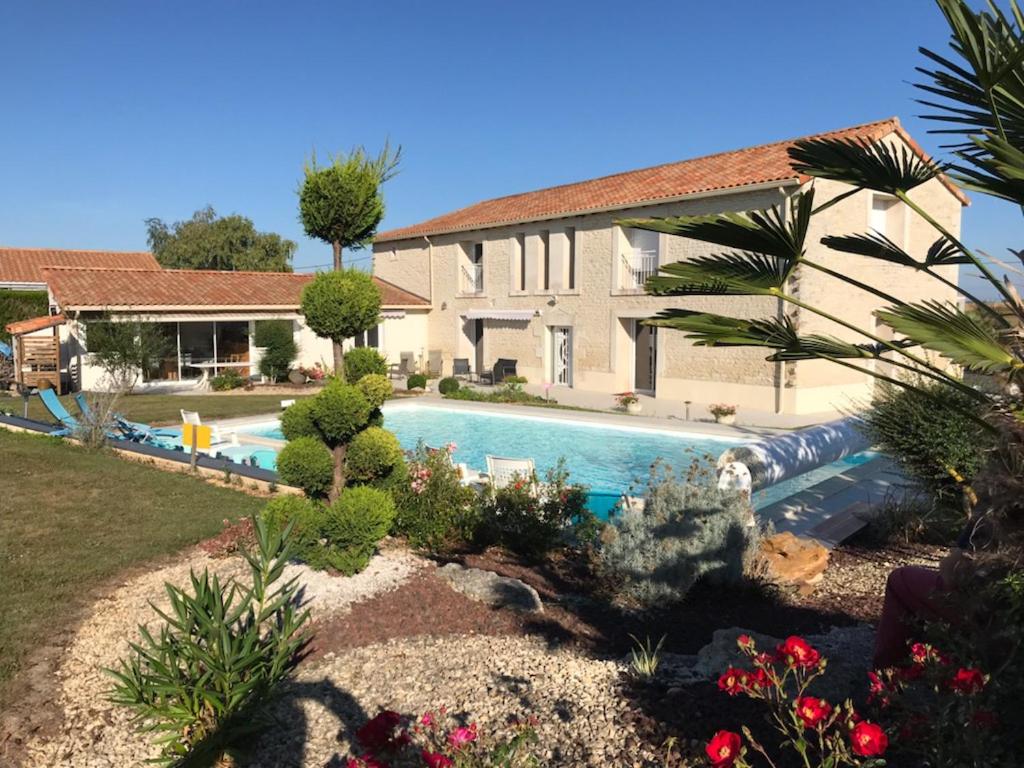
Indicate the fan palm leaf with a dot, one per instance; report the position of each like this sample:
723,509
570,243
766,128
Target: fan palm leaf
892,168
737,274
996,169
767,231
963,338
944,252
875,245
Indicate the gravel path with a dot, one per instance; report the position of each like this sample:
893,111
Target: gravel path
94,732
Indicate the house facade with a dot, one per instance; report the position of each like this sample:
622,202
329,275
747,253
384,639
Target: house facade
548,279
208,317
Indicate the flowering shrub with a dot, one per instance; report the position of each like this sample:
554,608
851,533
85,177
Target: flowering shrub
823,734
435,511
622,399
313,372
721,409
531,517
435,740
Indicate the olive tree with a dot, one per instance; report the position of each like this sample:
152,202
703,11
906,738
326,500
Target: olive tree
341,203
339,305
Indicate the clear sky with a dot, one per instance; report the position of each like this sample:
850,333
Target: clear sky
112,112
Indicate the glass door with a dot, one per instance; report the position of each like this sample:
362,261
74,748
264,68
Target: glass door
645,353
561,355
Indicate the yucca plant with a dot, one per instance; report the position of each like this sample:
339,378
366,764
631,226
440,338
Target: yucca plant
645,657
981,99
224,648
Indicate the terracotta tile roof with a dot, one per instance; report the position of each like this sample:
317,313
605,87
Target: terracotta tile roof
727,170
25,265
34,324
189,290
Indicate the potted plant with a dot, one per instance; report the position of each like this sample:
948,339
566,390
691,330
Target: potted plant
723,413
629,401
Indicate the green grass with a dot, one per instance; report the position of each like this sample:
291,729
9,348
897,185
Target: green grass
165,409
70,520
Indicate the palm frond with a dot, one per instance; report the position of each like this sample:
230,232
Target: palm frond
876,245
963,338
874,165
737,274
997,168
943,252
767,231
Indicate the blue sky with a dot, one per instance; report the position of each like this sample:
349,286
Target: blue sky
115,112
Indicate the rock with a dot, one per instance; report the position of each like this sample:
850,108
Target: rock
497,591
793,560
722,652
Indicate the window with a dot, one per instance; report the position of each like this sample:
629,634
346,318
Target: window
570,258
641,260
545,259
521,255
472,268
370,338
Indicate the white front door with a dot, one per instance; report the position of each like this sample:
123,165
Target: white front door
561,355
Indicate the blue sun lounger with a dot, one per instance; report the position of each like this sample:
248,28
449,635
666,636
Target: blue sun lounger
133,430
68,423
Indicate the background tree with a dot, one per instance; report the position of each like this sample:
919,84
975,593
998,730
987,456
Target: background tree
339,305
279,350
209,241
341,203
126,350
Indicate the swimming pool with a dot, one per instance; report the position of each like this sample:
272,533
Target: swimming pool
606,457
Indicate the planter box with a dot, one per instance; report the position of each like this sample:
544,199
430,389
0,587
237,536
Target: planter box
634,408
728,418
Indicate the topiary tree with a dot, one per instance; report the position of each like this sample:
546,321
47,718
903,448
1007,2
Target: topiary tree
331,420
353,525
339,305
341,203
377,388
372,454
362,361
276,339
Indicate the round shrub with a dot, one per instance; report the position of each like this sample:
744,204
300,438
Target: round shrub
278,344
306,463
306,517
372,454
340,411
376,387
362,361
339,305
354,524
448,385
297,420
416,381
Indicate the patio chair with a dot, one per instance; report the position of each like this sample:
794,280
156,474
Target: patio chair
500,371
218,437
434,364
467,476
404,367
133,430
460,368
503,472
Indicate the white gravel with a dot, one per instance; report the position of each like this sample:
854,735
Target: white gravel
95,733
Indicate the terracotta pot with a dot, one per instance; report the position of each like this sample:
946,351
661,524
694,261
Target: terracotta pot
634,408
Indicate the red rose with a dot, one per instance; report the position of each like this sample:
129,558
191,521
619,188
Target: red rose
868,740
757,679
436,760
797,652
967,681
812,711
364,761
733,681
879,691
378,733
723,749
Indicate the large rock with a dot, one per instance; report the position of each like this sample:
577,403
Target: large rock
792,560
848,650
497,591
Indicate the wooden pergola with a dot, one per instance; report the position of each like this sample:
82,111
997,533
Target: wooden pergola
37,360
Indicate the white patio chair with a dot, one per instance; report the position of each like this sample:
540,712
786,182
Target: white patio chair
503,472
219,438
467,476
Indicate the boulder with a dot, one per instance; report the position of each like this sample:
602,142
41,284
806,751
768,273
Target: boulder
487,587
792,560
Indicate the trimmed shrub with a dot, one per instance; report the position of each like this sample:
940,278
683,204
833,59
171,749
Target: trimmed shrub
933,444
532,518
514,394
279,350
230,379
307,463
339,305
448,385
21,305
435,511
416,381
688,530
362,361
297,420
376,387
372,454
353,526
340,411
305,516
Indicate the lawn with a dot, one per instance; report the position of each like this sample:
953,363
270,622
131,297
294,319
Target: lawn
165,409
71,519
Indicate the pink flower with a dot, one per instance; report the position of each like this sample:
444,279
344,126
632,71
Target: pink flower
460,737
427,720
436,760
